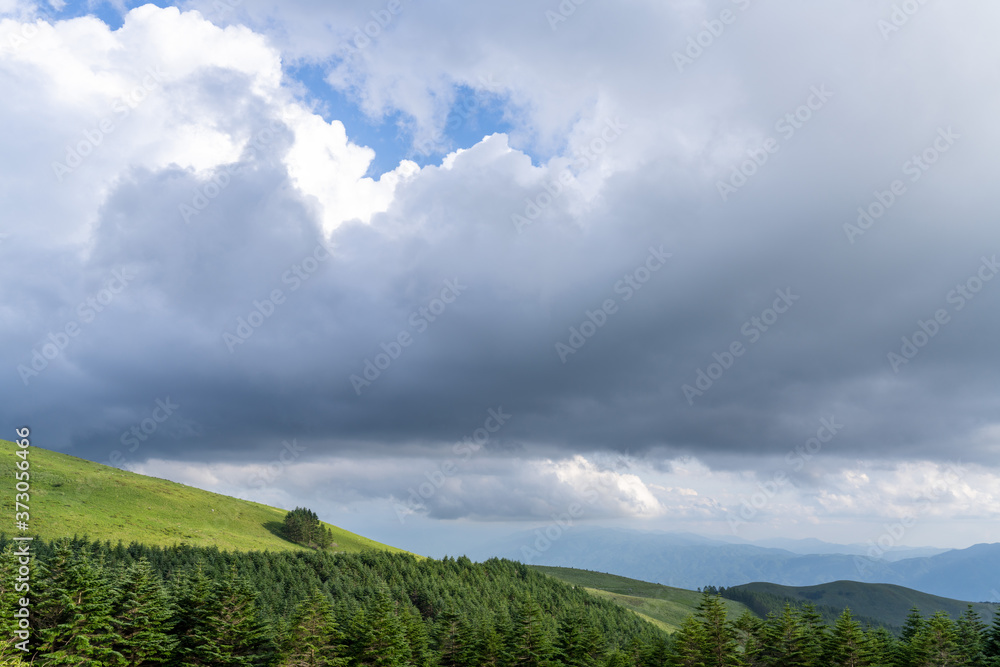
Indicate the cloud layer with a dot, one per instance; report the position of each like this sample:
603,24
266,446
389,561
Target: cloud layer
712,226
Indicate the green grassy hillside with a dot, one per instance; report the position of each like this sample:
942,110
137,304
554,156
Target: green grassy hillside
71,496
887,603
665,606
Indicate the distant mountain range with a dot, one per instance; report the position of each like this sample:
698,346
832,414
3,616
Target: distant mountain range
872,604
687,560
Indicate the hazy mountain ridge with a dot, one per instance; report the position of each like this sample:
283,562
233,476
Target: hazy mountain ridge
688,562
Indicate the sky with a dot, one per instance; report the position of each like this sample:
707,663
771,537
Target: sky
444,272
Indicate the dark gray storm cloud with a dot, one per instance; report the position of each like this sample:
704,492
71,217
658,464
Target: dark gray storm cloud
797,225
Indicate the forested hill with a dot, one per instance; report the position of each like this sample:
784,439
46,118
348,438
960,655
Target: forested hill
98,604
874,604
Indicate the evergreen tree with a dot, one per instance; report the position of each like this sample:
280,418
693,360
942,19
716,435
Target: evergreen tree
491,649
748,639
303,526
76,601
240,634
991,641
618,659
720,636
688,644
848,646
142,614
882,648
446,639
312,638
784,640
418,638
907,651
531,644
575,643
194,621
971,631
814,636
377,638
912,626
657,654
936,645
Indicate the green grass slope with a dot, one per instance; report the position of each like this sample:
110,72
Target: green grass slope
71,496
887,603
665,606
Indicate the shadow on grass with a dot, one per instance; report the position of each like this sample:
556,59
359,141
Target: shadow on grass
277,528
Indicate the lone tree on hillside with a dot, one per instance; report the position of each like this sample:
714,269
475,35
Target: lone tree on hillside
303,526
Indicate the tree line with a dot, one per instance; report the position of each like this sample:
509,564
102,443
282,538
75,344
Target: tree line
798,637
98,604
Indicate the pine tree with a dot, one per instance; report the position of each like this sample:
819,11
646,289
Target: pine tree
142,613
531,644
491,649
194,619
748,639
882,648
657,653
971,631
991,642
377,637
313,638
907,650
573,647
418,638
814,636
936,644
848,646
720,636
784,640
688,644
618,658
239,632
76,600
446,639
